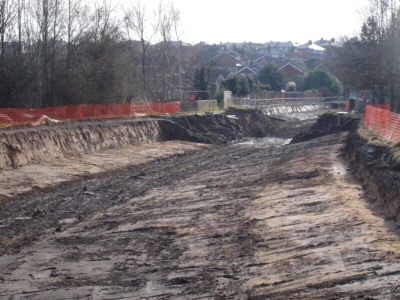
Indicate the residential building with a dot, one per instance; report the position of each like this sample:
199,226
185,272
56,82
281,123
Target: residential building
226,60
307,50
290,71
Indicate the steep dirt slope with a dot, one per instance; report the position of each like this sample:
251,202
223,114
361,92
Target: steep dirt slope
379,171
375,164
23,146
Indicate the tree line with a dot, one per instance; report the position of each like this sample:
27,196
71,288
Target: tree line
66,52
371,60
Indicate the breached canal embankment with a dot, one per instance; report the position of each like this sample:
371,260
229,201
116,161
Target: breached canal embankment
24,146
234,221
34,159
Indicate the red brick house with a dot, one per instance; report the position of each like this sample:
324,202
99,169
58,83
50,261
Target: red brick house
261,62
290,71
307,50
226,61
246,71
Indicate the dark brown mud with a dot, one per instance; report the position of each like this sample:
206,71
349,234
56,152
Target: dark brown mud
256,219
240,221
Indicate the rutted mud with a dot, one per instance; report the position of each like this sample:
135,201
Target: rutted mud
258,219
231,222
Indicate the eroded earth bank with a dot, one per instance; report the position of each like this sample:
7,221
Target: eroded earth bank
255,218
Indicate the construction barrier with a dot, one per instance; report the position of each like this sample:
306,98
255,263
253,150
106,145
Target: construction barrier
382,106
37,116
381,120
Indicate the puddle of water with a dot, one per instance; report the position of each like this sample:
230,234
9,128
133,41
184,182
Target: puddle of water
264,142
246,143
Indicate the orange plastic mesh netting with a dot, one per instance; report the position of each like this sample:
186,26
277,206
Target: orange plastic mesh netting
37,116
381,120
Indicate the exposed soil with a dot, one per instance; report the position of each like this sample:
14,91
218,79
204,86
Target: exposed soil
40,158
36,178
34,145
376,165
255,219
379,171
328,123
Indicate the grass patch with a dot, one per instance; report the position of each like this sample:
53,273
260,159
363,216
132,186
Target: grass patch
375,139
371,137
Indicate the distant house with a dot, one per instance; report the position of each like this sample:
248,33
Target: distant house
317,50
290,71
329,46
307,50
256,61
225,60
260,62
278,49
253,48
303,51
246,71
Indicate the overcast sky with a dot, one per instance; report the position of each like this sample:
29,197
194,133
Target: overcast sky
215,21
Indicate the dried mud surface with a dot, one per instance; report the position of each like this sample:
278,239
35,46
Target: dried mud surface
259,219
25,180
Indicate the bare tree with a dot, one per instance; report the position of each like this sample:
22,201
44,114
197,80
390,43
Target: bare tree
164,61
371,61
6,19
77,12
20,17
71,52
136,20
175,21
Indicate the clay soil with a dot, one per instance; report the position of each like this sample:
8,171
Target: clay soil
257,219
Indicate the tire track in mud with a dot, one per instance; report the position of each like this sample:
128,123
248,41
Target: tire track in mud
243,221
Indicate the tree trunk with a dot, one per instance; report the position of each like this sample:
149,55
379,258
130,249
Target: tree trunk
45,65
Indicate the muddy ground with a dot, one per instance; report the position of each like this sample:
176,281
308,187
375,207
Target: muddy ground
255,219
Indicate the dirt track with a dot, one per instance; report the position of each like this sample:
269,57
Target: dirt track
252,220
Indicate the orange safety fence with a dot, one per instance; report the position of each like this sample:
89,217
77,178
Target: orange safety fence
37,116
381,120
382,106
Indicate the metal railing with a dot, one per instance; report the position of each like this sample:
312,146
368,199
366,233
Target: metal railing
263,102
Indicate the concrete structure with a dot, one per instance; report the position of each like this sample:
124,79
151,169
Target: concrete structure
227,99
